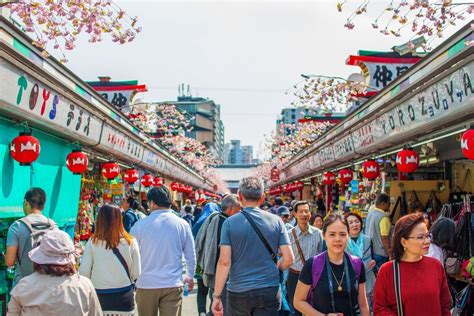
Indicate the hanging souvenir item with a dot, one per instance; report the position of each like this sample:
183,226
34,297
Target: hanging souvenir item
371,169
25,149
407,160
131,176
110,170
329,178
345,175
467,144
77,162
147,180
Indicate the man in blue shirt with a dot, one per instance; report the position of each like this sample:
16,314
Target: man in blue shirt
163,239
253,286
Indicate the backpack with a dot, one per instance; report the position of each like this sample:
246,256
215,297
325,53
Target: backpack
319,262
135,216
37,232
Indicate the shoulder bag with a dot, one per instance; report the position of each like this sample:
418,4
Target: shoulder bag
124,264
300,251
260,235
398,292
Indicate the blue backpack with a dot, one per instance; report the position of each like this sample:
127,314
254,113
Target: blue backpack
319,262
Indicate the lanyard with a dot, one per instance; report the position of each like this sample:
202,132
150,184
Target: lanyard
331,287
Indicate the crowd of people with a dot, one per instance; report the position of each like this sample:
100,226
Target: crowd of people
249,255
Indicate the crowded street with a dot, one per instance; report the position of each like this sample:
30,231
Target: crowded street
236,158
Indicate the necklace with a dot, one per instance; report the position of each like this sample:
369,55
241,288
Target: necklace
339,283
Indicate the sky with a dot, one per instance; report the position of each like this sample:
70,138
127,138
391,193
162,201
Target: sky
243,55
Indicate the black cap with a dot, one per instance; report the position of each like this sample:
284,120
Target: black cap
161,196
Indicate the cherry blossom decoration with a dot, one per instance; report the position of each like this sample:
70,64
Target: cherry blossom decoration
326,94
422,17
60,22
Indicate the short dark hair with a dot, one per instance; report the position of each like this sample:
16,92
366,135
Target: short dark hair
443,231
132,202
54,269
36,197
188,209
382,198
331,219
358,217
299,203
161,196
313,218
403,229
278,201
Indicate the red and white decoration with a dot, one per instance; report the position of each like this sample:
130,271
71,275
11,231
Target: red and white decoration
131,176
110,170
329,178
77,162
157,182
275,174
174,186
276,191
147,180
371,169
25,149
407,160
345,175
296,186
467,144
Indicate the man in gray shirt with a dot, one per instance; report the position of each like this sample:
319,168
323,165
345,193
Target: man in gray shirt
253,286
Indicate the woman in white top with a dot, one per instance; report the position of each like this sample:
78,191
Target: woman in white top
112,261
442,241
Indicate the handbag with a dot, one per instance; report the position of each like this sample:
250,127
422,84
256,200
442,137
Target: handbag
402,202
452,266
398,290
297,242
433,206
259,234
124,264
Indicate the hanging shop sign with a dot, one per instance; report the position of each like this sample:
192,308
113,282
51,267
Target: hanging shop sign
119,143
467,144
116,188
443,101
343,148
326,155
25,149
23,95
355,186
407,160
77,162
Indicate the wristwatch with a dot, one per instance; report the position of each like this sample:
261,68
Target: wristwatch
217,296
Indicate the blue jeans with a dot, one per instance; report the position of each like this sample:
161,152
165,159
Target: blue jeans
259,302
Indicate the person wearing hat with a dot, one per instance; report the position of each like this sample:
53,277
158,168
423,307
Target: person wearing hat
55,288
163,239
284,213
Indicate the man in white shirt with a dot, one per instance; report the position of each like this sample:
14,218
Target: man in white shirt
163,239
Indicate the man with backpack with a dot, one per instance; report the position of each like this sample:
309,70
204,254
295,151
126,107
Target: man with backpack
26,233
130,205
250,241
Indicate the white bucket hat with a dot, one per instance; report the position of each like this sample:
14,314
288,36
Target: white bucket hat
56,248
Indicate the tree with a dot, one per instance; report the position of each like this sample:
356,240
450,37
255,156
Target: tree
60,22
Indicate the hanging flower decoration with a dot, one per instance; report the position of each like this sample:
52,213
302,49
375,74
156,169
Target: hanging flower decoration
60,22
326,94
420,17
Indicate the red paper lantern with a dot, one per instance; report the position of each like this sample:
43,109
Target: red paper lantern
407,160
275,174
174,186
110,170
25,149
157,182
147,180
131,176
467,144
345,175
299,185
329,178
77,162
371,169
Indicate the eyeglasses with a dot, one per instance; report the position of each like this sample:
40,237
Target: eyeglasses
428,236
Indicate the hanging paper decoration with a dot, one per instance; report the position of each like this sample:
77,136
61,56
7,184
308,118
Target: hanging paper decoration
407,160
345,175
275,174
111,170
157,182
329,178
174,186
77,162
371,169
131,176
276,190
299,185
25,149
147,180
467,144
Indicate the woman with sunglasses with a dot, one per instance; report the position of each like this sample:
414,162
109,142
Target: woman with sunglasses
421,281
